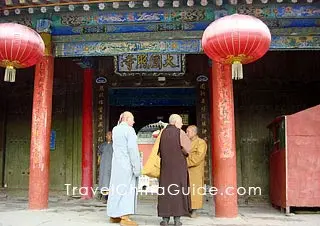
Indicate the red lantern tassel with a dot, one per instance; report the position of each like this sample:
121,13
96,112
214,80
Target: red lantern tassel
237,71
10,74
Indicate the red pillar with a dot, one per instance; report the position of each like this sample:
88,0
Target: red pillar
40,135
87,149
223,136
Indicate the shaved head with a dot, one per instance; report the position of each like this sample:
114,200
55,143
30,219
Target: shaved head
192,131
175,120
126,114
193,128
127,117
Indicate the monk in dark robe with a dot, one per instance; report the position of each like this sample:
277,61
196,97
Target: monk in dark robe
173,197
105,160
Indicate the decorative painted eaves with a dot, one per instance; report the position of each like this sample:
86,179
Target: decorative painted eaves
167,30
20,7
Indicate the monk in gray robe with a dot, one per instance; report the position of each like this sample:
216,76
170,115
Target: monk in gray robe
173,197
126,168
105,153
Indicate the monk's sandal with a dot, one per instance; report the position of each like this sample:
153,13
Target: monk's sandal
126,221
115,220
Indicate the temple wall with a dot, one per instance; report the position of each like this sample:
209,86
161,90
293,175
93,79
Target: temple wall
280,83
65,147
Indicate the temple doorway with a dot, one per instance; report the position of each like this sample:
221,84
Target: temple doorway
150,105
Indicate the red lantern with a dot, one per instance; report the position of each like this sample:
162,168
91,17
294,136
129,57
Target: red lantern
20,47
236,39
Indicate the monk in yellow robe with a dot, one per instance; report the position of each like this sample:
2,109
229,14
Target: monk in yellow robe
196,162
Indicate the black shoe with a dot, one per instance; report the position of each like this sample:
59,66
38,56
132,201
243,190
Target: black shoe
164,223
177,221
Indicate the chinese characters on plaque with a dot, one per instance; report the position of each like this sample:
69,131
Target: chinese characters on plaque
150,64
203,109
100,114
203,119
185,119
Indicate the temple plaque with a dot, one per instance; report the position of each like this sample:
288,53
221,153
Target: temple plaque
150,64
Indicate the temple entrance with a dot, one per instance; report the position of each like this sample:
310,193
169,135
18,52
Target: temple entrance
280,83
150,105
151,108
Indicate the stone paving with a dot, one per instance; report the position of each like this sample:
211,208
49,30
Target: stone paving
76,212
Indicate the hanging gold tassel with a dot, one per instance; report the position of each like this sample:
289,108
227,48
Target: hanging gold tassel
237,71
10,74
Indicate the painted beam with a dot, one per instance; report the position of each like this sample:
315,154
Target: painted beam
184,15
124,28
296,31
114,48
295,42
287,11
178,26
284,24
82,22
172,35
155,16
74,49
146,36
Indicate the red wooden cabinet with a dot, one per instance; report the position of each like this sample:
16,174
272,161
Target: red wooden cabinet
295,160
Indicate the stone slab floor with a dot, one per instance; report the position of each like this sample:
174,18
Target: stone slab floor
76,212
